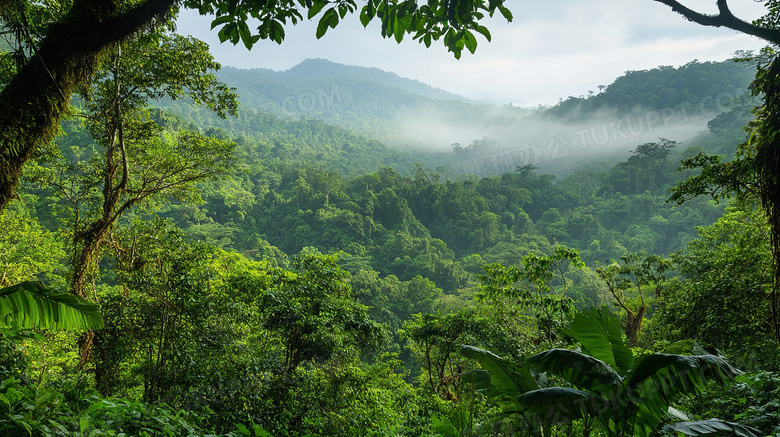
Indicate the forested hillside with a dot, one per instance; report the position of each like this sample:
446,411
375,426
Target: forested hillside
190,256
704,87
459,137
371,102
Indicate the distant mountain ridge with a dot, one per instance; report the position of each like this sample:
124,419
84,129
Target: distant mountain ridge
369,101
325,68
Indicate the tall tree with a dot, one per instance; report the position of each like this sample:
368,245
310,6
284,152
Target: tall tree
761,164
532,294
628,284
135,161
63,51
315,315
64,55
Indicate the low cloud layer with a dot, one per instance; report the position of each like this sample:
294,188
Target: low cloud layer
560,145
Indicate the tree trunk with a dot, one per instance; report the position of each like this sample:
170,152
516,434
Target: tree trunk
34,101
767,164
633,325
86,256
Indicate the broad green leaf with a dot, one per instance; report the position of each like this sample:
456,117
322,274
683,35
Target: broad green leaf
444,426
322,25
221,20
243,430
549,406
223,35
427,40
581,370
277,32
671,375
506,13
334,19
484,31
511,379
259,431
31,305
600,335
711,427
231,32
470,41
316,8
680,415
398,30
246,35
481,380
365,16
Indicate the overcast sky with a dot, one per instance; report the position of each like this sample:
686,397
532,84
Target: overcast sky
552,49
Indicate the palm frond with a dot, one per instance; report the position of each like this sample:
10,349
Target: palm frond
31,305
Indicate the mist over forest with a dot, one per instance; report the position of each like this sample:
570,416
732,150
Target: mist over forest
601,126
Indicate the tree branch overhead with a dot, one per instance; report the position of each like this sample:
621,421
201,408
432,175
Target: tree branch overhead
724,18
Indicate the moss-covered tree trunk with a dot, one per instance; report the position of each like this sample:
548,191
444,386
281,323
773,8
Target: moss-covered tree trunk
767,165
633,324
33,102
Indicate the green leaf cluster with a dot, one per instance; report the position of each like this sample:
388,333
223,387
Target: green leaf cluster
31,305
622,394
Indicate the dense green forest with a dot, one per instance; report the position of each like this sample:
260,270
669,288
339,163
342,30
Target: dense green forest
263,273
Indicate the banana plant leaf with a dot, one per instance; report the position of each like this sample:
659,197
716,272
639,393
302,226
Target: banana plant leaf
31,305
667,375
583,371
711,427
554,405
508,378
601,336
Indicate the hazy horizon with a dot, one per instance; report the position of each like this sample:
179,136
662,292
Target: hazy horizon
550,51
